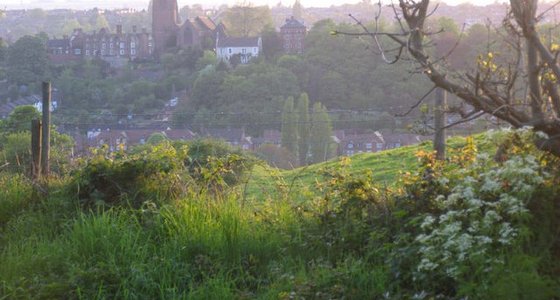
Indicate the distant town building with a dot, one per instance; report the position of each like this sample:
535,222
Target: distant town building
117,140
34,100
169,33
116,48
233,136
246,48
293,36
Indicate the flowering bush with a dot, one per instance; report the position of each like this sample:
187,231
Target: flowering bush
480,221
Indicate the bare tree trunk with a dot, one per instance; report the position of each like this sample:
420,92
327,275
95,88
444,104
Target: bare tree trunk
440,115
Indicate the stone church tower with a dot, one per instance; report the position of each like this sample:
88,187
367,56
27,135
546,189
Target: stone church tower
165,24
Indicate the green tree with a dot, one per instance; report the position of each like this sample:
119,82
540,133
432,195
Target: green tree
16,151
156,138
20,119
245,19
303,128
321,134
272,43
208,59
290,127
3,51
27,61
206,89
297,10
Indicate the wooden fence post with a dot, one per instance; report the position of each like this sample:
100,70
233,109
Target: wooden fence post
36,148
45,149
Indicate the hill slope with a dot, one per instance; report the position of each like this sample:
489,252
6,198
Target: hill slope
384,166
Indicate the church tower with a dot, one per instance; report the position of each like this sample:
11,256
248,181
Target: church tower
165,24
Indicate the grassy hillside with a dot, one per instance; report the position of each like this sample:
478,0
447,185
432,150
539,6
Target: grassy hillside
159,224
385,168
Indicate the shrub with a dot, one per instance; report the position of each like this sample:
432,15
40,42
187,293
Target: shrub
215,162
153,175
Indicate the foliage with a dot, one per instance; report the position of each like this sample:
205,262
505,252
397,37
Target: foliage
20,119
3,52
246,20
277,157
290,127
321,134
346,236
156,138
15,197
215,162
27,61
272,43
304,126
15,143
154,175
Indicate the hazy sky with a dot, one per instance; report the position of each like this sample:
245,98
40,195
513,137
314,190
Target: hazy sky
78,4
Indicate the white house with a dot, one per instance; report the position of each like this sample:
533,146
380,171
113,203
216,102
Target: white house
246,48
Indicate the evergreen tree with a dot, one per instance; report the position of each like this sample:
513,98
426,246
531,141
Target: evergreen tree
321,132
290,126
303,128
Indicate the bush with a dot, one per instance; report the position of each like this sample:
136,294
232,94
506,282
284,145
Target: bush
153,175
215,161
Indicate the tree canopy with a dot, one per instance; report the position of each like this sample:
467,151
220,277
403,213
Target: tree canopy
27,61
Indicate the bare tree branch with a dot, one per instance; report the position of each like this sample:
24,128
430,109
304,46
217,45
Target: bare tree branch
417,103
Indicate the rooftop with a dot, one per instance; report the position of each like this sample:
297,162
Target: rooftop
293,23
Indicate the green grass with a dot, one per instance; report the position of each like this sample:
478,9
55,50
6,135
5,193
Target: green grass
202,246
268,183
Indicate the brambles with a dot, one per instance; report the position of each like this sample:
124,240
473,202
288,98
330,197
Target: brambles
156,174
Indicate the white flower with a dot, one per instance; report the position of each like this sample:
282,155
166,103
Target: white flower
428,221
541,135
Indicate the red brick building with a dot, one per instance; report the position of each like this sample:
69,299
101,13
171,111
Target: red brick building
293,35
116,48
170,33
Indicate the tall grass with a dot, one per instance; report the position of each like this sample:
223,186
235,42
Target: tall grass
203,247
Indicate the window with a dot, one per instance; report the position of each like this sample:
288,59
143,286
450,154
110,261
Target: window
122,52
103,46
122,45
350,146
369,145
229,50
133,52
132,45
78,51
111,45
87,52
379,146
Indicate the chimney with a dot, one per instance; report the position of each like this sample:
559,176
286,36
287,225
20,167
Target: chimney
119,29
134,29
